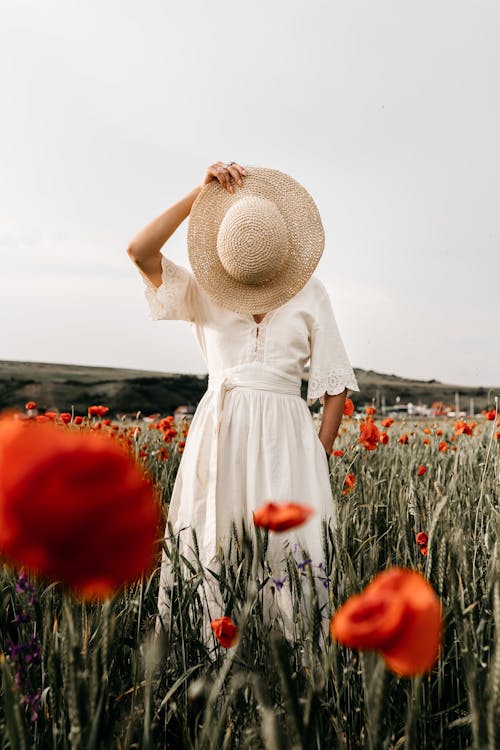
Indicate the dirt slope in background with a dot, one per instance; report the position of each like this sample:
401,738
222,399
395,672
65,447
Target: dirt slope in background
62,386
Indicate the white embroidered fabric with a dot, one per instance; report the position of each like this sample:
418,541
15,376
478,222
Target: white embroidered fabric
301,329
330,381
330,370
170,301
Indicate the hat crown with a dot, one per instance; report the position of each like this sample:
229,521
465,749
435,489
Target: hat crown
252,241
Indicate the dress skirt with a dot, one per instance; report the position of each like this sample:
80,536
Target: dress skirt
252,440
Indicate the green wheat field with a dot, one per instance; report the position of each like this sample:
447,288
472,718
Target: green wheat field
94,676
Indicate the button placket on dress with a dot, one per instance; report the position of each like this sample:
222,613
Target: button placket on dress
257,346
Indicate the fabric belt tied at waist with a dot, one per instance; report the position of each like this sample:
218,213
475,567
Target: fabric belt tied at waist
260,380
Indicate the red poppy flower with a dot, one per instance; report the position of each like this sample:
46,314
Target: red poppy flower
422,539
489,414
421,470
349,483
30,405
370,410
443,446
74,507
387,422
225,631
169,435
98,411
426,441
462,428
384,438
404,439
399,615
50,415
348,407
65,417
338,453
369,434
78,420
427,430
281,516
439,432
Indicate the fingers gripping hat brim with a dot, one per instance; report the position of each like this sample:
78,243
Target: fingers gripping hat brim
306,241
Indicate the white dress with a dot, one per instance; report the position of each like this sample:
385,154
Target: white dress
252,438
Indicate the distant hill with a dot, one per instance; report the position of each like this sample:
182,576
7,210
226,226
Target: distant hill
63,386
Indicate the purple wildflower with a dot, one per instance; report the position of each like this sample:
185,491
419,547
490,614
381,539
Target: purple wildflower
23,583
279,582
26,654
21,618
302,565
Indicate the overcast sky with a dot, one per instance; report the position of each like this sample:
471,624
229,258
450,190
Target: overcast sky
387,111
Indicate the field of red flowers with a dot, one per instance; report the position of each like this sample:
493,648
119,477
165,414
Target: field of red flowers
411,657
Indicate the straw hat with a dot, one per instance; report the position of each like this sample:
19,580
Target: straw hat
254,249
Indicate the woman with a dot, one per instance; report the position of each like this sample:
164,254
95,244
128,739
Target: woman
254,239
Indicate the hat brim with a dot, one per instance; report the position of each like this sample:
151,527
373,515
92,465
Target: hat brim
305,235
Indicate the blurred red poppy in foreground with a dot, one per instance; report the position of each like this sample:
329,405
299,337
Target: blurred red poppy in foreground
74,507
225,631
282,516
399,615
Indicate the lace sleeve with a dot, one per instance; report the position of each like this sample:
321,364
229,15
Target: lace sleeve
178,296
330,370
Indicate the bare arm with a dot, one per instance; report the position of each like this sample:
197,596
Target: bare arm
333,409
144,249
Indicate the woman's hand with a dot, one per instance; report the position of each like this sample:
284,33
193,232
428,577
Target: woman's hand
227,174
